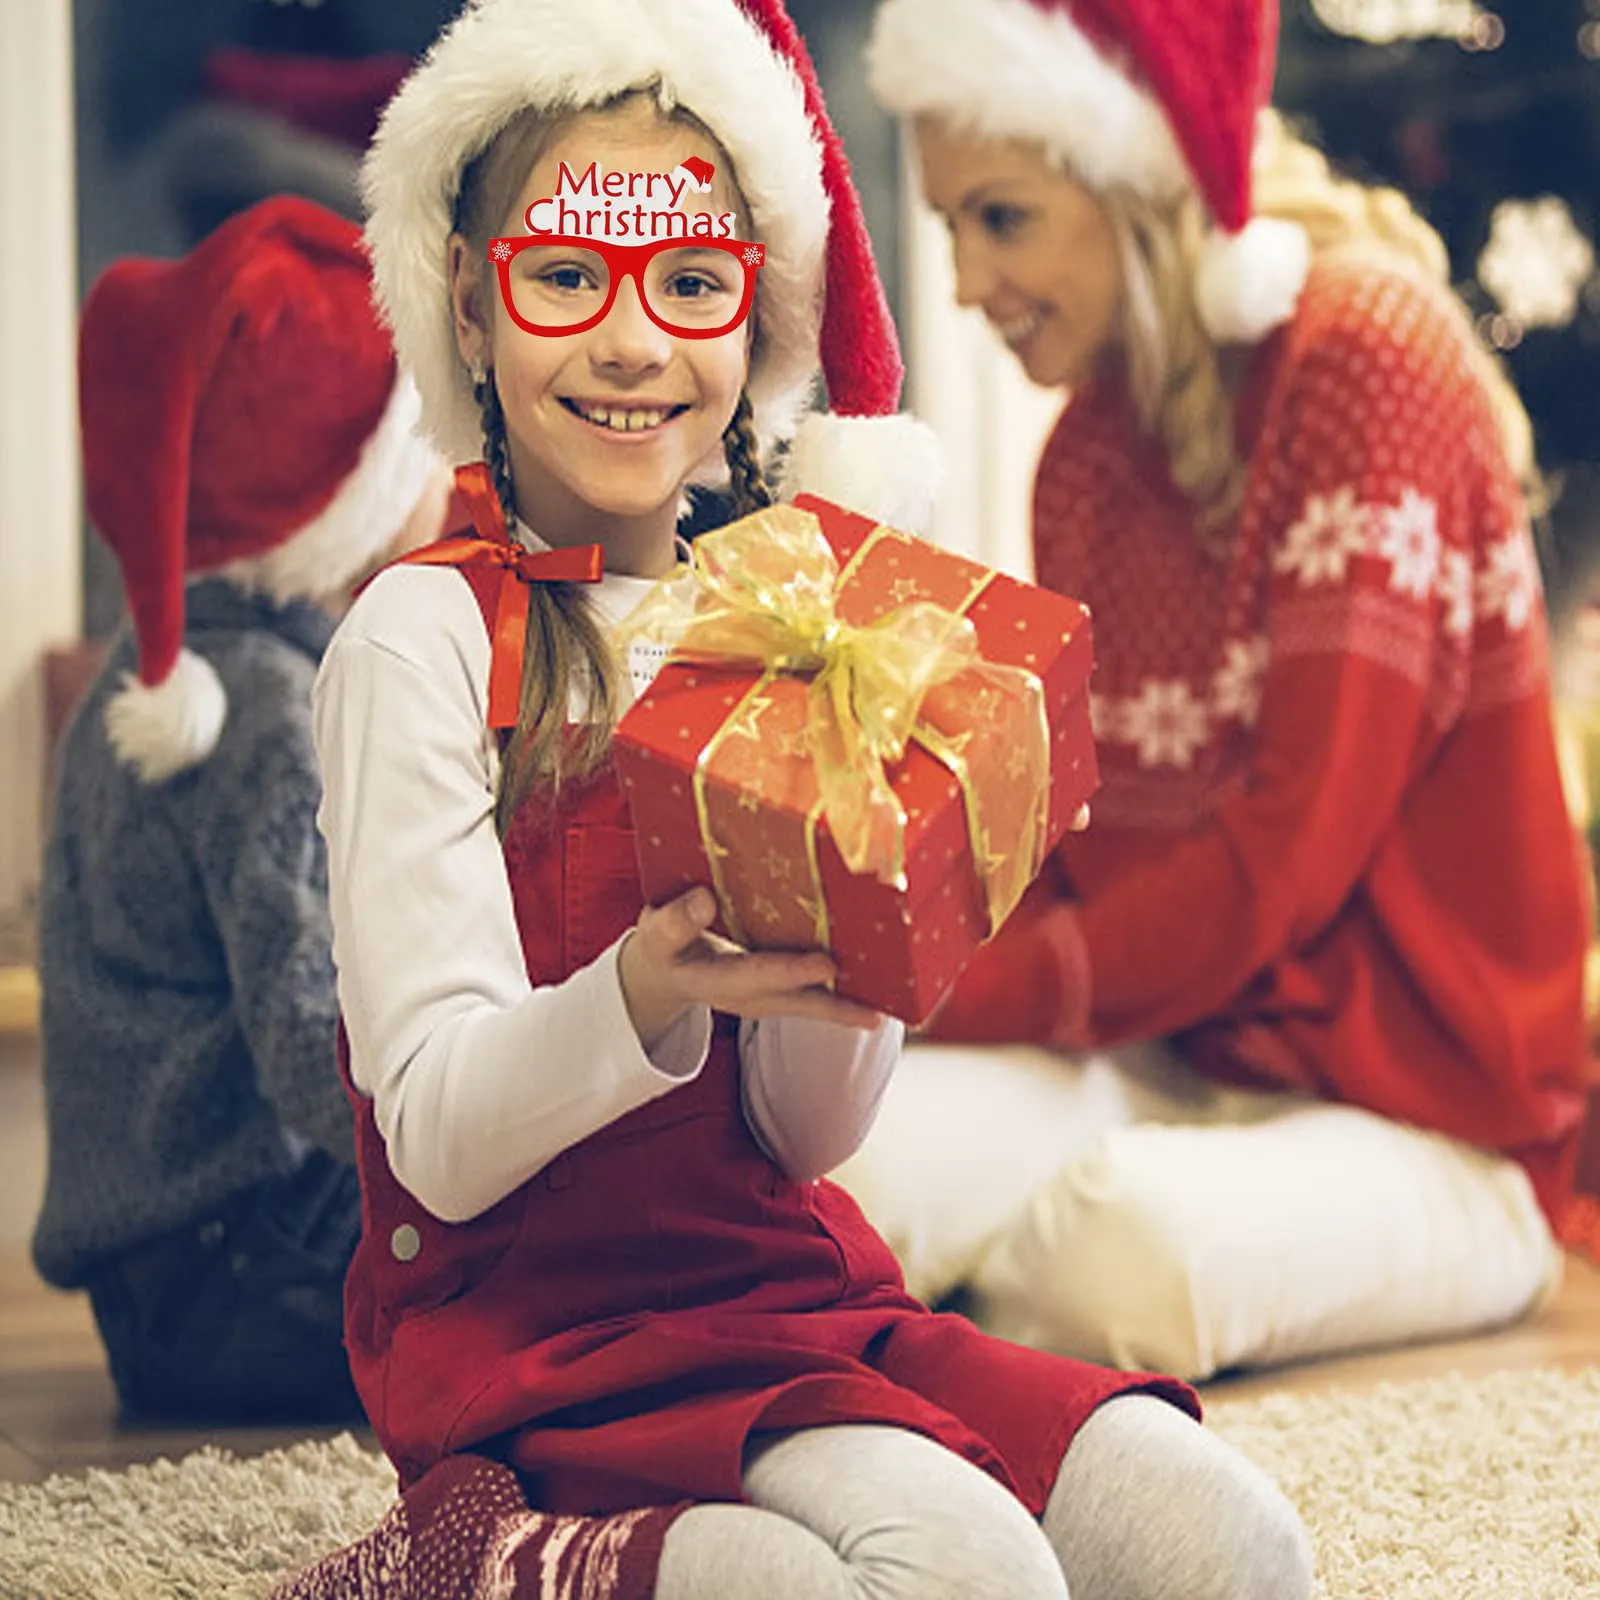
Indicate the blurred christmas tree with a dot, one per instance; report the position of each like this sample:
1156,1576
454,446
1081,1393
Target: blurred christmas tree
1490,121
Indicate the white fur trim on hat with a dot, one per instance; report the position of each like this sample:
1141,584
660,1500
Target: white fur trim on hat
1008,69
888,468
1248,283
501,56
361,520
161,730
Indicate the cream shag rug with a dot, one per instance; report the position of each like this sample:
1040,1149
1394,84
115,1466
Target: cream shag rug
1454,1489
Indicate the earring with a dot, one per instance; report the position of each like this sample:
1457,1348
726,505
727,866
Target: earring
478,373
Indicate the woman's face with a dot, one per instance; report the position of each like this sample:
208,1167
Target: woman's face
612,421
1034,249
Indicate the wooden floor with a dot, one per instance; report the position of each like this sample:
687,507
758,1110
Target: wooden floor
58,1411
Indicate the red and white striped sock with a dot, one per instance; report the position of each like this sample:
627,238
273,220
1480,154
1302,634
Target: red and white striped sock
464,1531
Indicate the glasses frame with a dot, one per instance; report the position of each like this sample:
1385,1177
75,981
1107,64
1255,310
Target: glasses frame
626,261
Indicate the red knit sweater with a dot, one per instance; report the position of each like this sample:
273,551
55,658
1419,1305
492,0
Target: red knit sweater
1331,850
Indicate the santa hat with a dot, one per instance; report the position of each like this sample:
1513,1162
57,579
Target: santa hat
241,413
739,66
1148,95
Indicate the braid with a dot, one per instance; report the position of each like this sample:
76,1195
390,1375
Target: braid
751,492
496,448
564,646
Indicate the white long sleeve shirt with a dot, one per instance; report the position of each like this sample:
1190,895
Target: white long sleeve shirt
478,1079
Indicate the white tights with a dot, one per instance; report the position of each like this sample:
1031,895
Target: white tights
1147,1506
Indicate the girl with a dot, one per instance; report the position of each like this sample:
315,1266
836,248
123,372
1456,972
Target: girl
599,1268
1331,857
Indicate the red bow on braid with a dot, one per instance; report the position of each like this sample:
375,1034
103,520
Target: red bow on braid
476,505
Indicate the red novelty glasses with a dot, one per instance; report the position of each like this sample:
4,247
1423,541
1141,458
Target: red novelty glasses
556,284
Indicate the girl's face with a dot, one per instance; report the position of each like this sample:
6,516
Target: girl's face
1034,249
610,423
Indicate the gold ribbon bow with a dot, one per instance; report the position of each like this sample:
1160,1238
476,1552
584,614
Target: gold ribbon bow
475,504
764,591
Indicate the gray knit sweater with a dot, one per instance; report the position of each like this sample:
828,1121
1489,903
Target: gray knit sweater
188,1010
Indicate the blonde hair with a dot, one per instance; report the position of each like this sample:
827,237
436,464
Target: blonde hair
567,652
1176,371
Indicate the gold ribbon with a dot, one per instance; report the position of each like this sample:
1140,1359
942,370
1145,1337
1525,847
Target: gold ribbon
764,592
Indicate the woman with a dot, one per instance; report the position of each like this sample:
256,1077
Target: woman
1331,893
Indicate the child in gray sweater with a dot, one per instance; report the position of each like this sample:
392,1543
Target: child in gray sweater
249,454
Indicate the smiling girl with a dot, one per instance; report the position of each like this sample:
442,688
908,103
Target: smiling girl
601,1275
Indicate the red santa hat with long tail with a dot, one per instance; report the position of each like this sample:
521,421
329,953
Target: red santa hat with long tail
741,67
242,414
1156,97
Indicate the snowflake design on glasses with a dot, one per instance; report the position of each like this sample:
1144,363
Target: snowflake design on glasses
754,255
501,252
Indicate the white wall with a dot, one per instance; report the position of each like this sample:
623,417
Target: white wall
39,496
970,389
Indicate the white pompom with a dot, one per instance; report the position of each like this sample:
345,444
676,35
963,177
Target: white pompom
887,468
162,730
1248,283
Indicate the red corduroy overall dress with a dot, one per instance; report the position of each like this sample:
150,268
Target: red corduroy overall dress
617,1327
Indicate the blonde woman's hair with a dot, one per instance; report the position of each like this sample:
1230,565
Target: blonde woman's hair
1176,372
567,652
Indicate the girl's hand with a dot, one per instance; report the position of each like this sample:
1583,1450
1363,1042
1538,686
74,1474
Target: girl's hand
670,962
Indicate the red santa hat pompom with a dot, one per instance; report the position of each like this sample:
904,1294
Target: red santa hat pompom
1144,94
741,67
241,414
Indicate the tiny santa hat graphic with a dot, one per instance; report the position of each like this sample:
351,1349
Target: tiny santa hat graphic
696,173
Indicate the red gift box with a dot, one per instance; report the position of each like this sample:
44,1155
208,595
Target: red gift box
717,762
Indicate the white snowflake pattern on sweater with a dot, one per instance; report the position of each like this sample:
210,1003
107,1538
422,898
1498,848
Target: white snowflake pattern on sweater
1167,722
1328,532
1455,590
1407,537
1508,582
1334,528
1236,687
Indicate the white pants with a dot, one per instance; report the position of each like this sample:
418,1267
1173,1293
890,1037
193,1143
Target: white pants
1121,1209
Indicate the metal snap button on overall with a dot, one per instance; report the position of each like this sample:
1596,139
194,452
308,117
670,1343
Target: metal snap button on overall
405,1242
